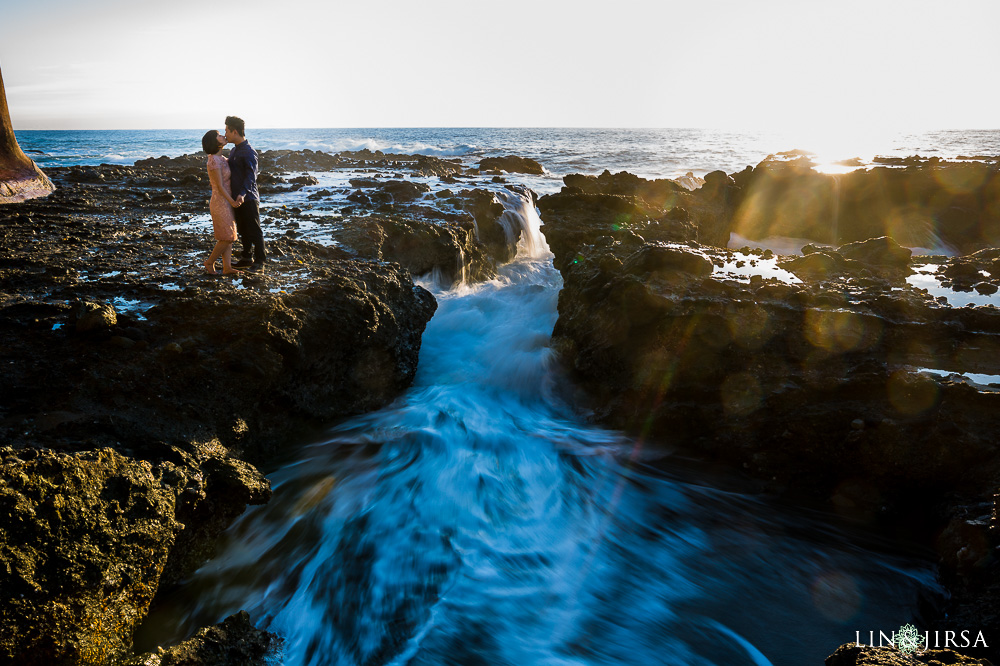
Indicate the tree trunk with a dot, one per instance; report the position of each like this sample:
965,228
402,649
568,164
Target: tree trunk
20,178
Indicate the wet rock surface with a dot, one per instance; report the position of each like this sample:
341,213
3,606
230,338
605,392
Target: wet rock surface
620,204
919,202
812,382
85,539
232,642
852,655
511,164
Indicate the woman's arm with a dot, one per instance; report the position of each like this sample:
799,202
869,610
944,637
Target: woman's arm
216,179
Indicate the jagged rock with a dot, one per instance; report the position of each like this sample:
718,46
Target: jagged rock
405,190
85,539
850,654
881,251
724,367
232,642
661,193
94,317
815,265
213,489
449,248
434,166
487,210
511,164
572,219
704,215
659,259
930,201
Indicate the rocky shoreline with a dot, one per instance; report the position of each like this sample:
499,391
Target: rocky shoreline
141,396
826,377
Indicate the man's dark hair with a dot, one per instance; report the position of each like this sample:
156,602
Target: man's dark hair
210,142
234,123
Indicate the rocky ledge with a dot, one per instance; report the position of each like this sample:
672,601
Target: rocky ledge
920,202
140,393
826,378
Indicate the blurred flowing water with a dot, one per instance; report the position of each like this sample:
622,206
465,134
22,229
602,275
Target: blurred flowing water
480,520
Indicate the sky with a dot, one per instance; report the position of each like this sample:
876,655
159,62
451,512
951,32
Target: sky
847,66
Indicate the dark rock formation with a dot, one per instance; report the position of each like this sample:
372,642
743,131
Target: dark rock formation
512,164
401,191
487,211
661,193
232,642
813,388
112,337
84,542
279,161
421,247
926,202
764,375
88,539
574,220
623,203
20,178
882,256
213,489
850,654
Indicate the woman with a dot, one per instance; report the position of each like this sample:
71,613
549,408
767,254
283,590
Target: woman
221,205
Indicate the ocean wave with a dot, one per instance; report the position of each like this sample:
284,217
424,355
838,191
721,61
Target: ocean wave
456,151
115,158
351,144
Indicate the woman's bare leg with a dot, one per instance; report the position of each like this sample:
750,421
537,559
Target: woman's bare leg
227,259
212,258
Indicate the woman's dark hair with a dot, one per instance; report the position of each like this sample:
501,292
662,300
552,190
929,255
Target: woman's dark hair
210,142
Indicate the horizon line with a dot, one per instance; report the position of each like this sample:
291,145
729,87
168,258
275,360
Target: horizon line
486,127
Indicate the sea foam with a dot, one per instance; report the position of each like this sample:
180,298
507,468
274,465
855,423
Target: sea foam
372,144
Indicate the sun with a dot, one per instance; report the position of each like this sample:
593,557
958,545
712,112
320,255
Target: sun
836,148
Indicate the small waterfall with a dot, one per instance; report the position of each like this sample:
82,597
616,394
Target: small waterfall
521,215
935,246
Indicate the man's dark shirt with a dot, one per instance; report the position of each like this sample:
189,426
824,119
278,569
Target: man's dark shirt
243,169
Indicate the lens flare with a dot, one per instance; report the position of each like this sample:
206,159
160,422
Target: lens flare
841,330
912,394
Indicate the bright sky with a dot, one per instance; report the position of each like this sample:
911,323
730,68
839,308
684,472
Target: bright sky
849,65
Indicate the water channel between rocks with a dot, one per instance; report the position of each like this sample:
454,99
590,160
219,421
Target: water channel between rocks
480,520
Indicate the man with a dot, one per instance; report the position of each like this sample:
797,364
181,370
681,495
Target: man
243,167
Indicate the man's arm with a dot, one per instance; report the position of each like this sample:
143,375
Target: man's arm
248,159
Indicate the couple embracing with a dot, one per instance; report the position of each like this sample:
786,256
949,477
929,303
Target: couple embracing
235,200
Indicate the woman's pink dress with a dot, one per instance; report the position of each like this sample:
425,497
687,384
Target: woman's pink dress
223,220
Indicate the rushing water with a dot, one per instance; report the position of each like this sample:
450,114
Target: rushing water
480,520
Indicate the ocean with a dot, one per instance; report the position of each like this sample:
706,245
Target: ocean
650,153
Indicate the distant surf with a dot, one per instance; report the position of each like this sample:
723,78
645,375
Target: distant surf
650,153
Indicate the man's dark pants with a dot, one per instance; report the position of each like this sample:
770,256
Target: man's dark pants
248,226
